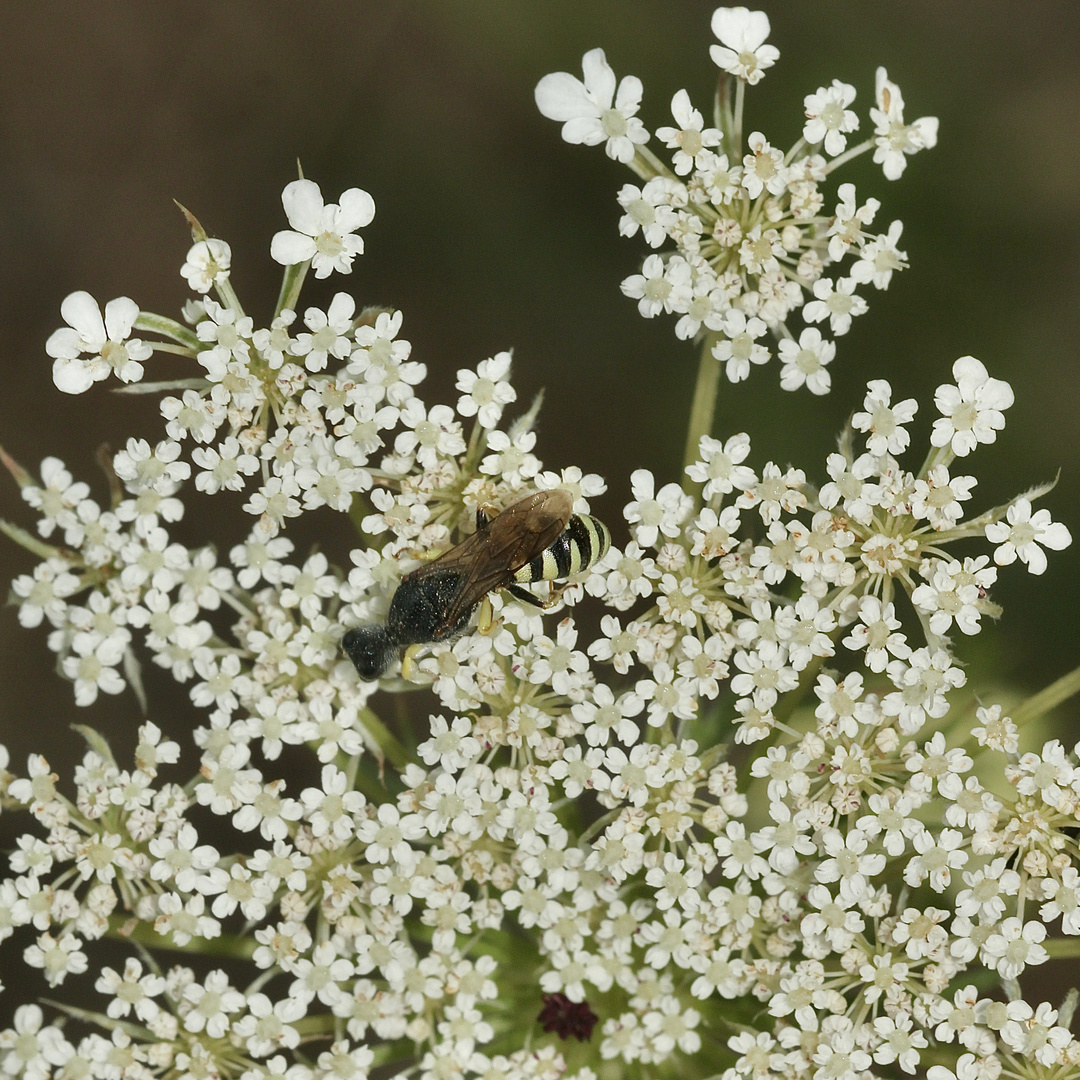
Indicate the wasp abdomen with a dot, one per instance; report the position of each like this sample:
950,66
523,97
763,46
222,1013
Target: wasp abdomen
584,541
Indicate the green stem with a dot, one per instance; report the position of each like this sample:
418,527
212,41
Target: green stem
227,296
737,122
170,328
701,410
1048,698
136,1031
380,734
291,283
30,542
176,350
847,155
646,164
1062,948
314,1024
126,928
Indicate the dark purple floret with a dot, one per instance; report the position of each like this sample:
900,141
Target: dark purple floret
566,1017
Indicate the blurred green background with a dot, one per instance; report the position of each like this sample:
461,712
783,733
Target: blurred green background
492,233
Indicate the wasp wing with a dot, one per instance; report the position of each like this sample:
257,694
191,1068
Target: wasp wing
496,551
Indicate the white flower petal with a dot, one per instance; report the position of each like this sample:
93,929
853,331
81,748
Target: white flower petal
120,316
741,29
583,130
559,96
628,98
64,343
357,210
289,248
81,311
303,204
72,376
599,77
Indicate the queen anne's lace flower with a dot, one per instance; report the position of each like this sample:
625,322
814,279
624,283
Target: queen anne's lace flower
596,110
750,240
742,50
90,347
742,826
324,233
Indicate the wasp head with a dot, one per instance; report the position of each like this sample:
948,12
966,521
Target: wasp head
371,650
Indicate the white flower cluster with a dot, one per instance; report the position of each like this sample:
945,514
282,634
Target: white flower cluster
751,233
751,829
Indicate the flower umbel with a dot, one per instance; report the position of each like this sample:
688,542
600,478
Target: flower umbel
750,234
755,825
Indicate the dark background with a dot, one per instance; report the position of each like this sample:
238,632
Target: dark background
491,232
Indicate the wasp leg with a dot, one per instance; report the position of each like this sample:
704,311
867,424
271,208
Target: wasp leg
485,513
525,596
554,595
408,662
430,555
486,621
555,592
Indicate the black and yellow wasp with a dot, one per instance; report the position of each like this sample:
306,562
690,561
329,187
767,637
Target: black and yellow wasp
538,538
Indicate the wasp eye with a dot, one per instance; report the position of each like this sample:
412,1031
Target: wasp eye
370,649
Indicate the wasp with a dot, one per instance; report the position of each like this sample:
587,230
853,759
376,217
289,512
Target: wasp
538,538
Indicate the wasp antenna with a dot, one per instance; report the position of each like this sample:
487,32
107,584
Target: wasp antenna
371,650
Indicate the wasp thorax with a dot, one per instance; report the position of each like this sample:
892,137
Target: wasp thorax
418,611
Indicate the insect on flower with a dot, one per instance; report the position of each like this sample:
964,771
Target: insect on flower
538,538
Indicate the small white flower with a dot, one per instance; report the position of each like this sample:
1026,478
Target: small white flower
28,1049
44,594
511,457
719,466
894,139
655,512
224,466
1016,946
937,498
90,347
879,258
967,1068
649,209
829,119
764,168
1023,534
211,1002
884,421
56,957
332,808
661,286
804,362
953,593
322,232
742,50
207,264
92,667
972,410
430,433
331,333
131,990
835,301
595,111
690,137
487,390
846,230
739,347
